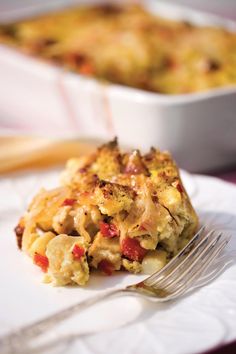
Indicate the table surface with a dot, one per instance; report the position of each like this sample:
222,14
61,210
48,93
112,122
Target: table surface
225,8
229,176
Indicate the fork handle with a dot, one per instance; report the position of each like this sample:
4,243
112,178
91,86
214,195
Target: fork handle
20,338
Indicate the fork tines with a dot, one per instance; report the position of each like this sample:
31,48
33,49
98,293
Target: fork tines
189,264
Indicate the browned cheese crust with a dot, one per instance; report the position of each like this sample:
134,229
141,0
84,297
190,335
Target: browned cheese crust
113,210
129,46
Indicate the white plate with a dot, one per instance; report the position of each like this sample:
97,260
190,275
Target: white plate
196,323
64,104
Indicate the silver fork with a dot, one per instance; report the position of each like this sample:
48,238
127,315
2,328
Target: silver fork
171,282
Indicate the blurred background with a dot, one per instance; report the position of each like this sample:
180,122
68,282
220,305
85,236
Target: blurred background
14,129
226,8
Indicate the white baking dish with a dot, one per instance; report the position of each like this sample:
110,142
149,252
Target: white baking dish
199,129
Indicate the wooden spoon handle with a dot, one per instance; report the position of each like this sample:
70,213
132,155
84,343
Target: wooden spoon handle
26,152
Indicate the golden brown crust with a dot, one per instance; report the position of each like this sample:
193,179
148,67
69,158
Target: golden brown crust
116,208
139,49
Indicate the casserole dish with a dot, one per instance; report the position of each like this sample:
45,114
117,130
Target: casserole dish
199,128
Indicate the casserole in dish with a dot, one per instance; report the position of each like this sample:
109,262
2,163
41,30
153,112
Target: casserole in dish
188,124
131,46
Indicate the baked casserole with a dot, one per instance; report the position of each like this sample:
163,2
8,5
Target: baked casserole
112,211
130,46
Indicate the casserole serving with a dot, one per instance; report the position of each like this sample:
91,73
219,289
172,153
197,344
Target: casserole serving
65,103
113,210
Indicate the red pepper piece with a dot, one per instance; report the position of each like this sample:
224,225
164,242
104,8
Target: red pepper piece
131,249
78,252
106,267
41,261
68,202
178,186
86,69
108,230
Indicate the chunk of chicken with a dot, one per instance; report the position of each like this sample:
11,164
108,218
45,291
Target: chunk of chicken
64,268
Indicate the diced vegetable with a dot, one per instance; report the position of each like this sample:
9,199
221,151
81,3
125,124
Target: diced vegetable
106,267
86,69
68,202
108,230
78,252
41,261
132,250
